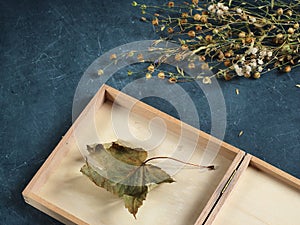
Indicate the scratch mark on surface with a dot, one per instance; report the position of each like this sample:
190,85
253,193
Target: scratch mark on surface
49,46
17,22
279,92
36,126
58,77
60,29
40,58
61,16
99,44
291,78
286,133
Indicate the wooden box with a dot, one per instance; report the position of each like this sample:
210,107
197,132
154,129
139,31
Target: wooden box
242,190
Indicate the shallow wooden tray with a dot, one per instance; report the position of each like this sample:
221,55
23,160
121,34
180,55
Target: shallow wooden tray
197,197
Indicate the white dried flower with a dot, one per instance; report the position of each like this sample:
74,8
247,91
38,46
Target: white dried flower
238,70
248,69
260,62
259,69
263,53
225,8
211,8
219,9
220,5
253,63
239,10
269,54
220,12
254,50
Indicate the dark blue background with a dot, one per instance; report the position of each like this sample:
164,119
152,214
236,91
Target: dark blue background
45,48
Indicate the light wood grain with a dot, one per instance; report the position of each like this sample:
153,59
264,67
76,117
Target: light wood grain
264,195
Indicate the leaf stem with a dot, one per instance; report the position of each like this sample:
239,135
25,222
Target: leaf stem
210,167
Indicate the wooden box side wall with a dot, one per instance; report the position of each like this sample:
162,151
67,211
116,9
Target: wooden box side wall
275,172
50,164
53,211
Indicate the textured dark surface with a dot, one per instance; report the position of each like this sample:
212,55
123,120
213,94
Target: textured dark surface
45,46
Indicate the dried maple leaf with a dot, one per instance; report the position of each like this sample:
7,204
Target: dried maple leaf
122,171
